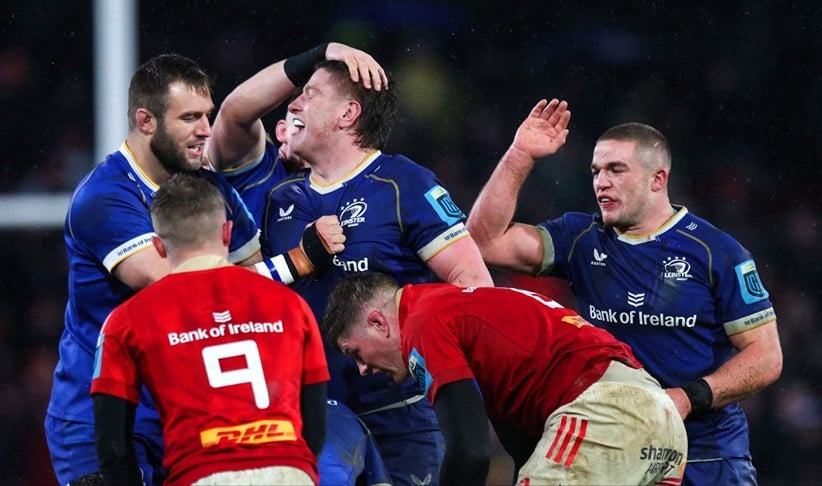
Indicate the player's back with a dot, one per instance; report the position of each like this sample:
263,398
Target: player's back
225,353
528,354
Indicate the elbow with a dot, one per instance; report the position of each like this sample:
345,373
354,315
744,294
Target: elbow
775,368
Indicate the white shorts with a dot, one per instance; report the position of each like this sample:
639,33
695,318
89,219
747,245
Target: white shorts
274,475
624,429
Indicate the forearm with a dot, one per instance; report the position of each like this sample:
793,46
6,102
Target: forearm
257,96
495,206
312,254
113,421
757,364
744,375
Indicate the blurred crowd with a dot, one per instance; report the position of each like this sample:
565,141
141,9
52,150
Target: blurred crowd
735,86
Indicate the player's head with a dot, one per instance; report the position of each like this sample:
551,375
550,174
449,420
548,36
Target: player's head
630,169
169,101
331,102
361,320
189,214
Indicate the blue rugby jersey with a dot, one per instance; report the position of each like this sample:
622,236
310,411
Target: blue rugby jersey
396,215
108,220
255,179
674,295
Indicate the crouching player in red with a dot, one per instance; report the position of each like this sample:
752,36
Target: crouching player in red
595,415
233,360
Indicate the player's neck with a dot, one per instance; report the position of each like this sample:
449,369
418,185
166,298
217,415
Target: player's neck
337,164
652,221
146,159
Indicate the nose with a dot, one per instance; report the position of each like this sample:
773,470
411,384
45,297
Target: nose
203,128
601,181
296,104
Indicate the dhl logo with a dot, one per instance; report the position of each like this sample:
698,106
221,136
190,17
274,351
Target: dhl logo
577,321
259,432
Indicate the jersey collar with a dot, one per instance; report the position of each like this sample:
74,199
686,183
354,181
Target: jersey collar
125,150
201,262
359,168
681,212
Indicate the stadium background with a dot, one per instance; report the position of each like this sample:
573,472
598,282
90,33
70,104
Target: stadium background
734,85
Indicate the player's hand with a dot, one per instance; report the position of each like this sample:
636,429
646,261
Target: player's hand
330,233
545,129
683,404
360,64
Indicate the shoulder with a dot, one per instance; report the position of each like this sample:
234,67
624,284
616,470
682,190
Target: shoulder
296,183
400,168
573,220
702,230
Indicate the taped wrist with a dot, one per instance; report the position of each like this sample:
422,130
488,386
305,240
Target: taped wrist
300,67
280,268
699,393
319,256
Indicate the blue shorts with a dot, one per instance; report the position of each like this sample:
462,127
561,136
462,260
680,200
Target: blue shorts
410,442
722,471
350,451
73,453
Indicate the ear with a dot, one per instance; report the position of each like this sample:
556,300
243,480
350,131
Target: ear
280,131
353,109
159,246
376,320
227,226
146,121
660,180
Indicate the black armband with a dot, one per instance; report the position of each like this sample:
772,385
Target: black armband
699,393
300,67
315,250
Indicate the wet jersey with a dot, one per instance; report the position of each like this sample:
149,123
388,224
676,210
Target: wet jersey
396,215
225,353
108,220
674,295
254,180
528,354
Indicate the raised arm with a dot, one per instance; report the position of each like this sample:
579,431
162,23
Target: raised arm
238,135
516,246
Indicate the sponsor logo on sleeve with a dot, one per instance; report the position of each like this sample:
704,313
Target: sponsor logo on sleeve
441,202
416,365
750,286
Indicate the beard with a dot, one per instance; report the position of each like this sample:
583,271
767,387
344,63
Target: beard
171,156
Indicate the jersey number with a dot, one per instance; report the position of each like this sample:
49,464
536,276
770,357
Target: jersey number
253,374
539,298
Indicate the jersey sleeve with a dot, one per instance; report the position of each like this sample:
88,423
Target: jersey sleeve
558,236
743,303
286,215
115,372
110,222
245,234
435,357
429,217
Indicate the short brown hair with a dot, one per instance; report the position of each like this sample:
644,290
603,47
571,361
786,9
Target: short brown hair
149,84
348,299
651,144
187,211
378,107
